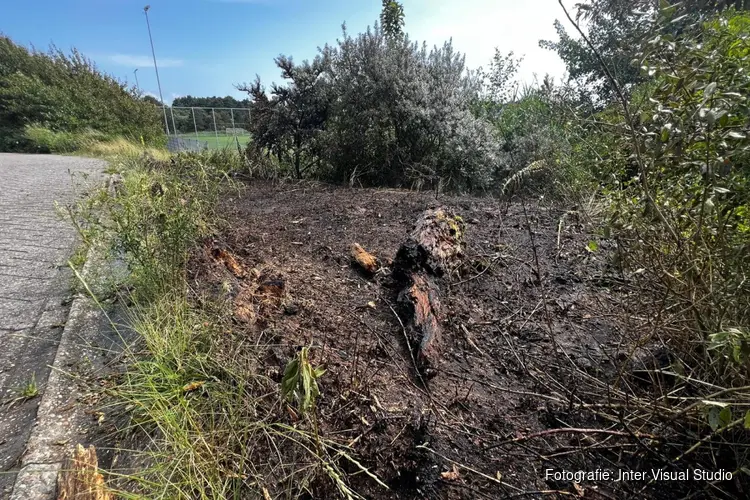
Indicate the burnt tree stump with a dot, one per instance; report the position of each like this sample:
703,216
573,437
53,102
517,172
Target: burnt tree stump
432,250
419,302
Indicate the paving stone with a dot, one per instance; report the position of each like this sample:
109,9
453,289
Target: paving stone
35,244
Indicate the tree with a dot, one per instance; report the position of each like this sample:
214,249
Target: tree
392,19
295,115
616,29
224,110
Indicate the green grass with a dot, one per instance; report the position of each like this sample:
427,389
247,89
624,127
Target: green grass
49,141
215,425
88,142
218,141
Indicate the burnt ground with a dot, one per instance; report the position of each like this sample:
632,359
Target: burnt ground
531,325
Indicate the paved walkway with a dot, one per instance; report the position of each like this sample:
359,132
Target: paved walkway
35,284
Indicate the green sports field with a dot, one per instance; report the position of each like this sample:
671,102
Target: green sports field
218,141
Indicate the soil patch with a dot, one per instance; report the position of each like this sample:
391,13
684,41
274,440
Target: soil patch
528,321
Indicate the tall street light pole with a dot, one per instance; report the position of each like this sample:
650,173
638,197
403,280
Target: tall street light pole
158,83
137,86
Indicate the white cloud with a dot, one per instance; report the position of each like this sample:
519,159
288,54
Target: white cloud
478,26
143,61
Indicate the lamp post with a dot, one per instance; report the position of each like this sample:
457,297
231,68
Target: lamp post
137,86
158,83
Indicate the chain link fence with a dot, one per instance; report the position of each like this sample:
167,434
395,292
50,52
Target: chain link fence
196,128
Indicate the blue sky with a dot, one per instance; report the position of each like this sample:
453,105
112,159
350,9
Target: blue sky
204,47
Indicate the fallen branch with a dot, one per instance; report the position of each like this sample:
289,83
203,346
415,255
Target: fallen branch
432,250
363,259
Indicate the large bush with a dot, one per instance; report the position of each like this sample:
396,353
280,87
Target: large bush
379,110
402,115
66,93
677,171
672,159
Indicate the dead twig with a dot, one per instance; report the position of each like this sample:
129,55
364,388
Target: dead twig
469,340
487,268
466,467
541,492
571,430
708,438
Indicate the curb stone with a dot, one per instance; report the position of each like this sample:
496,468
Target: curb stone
61,421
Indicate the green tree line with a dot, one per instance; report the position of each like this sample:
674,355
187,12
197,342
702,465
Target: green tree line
205,117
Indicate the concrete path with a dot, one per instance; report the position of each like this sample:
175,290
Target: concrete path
35,285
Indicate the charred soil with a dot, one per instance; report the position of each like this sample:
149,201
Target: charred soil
532,334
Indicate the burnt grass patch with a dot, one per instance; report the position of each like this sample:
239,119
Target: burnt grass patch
536,357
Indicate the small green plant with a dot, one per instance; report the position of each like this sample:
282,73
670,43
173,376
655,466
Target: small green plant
78,259
27,391
300,381
30,389
734,342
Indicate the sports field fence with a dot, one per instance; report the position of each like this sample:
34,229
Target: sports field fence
199,128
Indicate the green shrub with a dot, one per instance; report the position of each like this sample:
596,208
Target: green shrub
680,206
13,140
67,93
163,207
673,166
676,178
544,143
377,110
